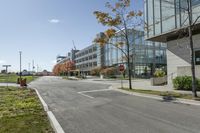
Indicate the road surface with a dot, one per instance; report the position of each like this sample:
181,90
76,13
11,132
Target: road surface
83,107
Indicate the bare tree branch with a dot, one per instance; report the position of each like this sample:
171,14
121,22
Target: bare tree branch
196,20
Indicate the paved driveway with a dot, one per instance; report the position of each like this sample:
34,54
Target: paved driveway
82,107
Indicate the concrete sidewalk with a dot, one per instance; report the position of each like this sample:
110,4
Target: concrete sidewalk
10,84
144,84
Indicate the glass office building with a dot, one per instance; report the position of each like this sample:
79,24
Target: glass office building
167,21
165,16
145,55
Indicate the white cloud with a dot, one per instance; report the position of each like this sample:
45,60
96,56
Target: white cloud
55,21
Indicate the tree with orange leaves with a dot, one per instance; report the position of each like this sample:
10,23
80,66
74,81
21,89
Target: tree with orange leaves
69,65
57,69
65,67
120,18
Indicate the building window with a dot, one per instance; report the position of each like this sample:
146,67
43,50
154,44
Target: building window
195,2
197,57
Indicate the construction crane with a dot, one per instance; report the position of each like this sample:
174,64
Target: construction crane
74,44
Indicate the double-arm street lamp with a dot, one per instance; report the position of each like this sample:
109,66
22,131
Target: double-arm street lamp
6,66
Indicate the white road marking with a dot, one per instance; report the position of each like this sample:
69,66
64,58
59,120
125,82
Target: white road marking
85,95
95,90
82,92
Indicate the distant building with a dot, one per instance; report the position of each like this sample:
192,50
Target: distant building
146,55
72,54
86,59
44,73
60,58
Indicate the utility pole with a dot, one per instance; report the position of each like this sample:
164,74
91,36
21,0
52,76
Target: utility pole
29,67
20,67
37,68
33,66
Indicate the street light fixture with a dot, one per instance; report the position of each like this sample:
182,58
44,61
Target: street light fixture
20,62
6,66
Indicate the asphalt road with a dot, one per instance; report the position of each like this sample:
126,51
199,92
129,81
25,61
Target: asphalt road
82,107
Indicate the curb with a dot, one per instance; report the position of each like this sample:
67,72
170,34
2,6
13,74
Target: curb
177,100
56,126
45,106
53,121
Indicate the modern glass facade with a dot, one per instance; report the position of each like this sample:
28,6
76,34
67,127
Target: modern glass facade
163,16
167,21
144,54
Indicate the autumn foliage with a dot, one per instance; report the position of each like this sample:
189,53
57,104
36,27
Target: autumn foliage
96,71
64,67
120,17
109,71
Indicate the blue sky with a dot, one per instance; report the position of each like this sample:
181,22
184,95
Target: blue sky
42,29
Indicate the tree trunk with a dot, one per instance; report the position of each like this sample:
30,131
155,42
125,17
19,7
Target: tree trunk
129,64
129,73
192,50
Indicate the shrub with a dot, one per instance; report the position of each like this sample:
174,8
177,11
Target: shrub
109,71
112,77
95,71
185,83
159,73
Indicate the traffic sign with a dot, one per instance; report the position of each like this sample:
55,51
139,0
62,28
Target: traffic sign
121,68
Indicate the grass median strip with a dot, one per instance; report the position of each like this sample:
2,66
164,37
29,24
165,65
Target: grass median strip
163,93
12,78
22,112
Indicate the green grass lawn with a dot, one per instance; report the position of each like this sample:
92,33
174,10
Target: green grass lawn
22,112
163,93
12,78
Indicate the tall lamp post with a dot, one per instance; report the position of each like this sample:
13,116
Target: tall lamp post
20,67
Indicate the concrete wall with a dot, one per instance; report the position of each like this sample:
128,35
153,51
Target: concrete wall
186,70
178,55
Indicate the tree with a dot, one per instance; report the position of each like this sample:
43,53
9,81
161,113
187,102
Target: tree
68,66
57,69
96,71
65,67
120,18
111,71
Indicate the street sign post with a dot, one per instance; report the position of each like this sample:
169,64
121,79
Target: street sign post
121,69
